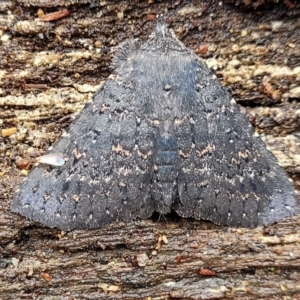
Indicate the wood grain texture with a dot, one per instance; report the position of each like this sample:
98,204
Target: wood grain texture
48,70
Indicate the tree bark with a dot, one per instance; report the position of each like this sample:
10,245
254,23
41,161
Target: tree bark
53,57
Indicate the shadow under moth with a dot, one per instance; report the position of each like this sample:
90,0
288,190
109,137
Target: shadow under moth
161,134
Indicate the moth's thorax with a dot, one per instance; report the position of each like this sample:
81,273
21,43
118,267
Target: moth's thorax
166,87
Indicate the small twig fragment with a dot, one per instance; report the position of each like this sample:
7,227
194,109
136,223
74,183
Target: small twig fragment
207,272
55,15
8,131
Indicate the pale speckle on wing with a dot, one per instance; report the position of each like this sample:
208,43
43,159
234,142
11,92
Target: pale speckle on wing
51,159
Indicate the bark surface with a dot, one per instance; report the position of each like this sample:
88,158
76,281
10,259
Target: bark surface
53,57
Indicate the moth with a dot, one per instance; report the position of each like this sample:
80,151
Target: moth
161,134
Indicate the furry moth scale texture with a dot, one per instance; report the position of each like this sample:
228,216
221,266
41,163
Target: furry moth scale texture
161,134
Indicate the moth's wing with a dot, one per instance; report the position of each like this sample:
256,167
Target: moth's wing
226,174
107,171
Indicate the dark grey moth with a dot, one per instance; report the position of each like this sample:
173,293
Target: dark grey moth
161,134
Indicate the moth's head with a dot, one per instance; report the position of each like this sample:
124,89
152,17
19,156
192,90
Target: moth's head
162,29
163,39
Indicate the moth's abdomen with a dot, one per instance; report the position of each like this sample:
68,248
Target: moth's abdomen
165,173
